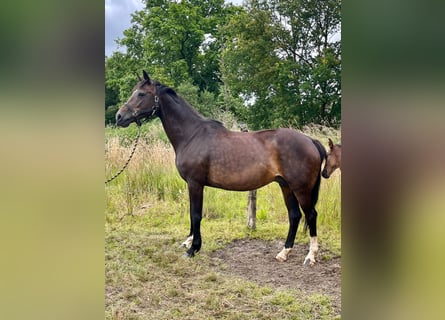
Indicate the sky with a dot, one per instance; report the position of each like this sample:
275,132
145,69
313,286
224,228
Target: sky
118,18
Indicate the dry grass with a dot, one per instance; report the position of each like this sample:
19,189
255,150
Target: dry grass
322,133
147,217
148,278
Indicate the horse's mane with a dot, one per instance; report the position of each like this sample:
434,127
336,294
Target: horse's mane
163,89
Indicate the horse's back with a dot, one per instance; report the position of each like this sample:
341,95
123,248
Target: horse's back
290,143
272,145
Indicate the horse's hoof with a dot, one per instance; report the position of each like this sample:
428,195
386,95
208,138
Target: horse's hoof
308,262
283,255
280,258
187,243
189,254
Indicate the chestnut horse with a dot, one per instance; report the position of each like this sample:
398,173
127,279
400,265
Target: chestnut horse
333,160
208,154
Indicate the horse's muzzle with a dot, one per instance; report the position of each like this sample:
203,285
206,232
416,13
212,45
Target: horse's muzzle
122,120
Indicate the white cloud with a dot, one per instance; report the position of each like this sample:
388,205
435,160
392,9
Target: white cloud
117,19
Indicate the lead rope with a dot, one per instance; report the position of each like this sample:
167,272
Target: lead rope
128,161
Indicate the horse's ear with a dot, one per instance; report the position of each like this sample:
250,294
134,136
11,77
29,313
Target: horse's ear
139,77
146,77
331,144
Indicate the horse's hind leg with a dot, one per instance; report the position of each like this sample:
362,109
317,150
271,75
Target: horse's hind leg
294,219
307,204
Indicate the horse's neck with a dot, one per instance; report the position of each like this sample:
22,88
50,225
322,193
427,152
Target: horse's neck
179,121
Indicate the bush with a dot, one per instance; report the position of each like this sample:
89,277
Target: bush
110,115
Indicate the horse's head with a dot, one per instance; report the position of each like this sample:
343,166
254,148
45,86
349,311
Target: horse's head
143,103
333,160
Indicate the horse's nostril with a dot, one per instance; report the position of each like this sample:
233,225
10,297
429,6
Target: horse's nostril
118,116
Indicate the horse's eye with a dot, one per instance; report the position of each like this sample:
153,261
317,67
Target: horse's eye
141,94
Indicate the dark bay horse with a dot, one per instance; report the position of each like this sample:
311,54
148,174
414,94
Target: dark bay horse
208,154
333,160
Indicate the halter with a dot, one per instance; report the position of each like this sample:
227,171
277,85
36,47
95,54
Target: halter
155,107
134,113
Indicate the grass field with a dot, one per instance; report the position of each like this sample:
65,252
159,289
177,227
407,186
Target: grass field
147,218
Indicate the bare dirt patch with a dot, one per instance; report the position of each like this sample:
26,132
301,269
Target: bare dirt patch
255,260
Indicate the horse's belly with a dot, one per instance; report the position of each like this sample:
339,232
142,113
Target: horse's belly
240,179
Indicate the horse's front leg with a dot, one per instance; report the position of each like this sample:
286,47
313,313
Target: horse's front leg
188,242
196,198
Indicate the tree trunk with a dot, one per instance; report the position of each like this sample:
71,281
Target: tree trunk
251,209
251,198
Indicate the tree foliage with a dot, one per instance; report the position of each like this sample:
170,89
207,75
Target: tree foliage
270,62
281,55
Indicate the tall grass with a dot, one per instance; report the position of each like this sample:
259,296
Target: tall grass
147,217
151,186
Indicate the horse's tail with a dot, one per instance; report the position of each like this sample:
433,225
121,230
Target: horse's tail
321,150
323,156
316,188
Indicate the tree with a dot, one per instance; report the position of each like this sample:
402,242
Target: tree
270,63
248,57
280,56
178,40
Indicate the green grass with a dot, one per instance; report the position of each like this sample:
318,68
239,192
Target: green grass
147,277
147,218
